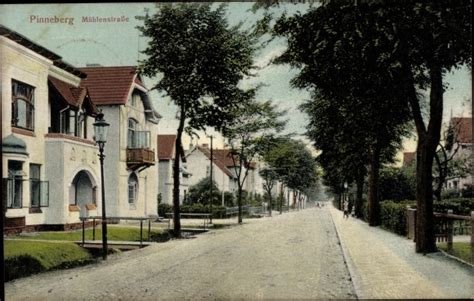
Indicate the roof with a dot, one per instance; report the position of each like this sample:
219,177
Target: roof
166,147
408,157
74,96
57,60
110,85
463,129
219,159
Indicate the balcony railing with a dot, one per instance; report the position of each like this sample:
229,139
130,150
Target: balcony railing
138,157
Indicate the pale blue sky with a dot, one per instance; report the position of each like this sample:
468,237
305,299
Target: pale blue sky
111,44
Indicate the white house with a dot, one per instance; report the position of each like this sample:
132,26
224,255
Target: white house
50,164
166,157
464,150
131,172
224,169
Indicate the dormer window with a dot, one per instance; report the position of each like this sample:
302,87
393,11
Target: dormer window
135,99
23,106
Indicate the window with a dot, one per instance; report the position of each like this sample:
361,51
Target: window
132,188
39,190
135,99
132,137
15,184
68,122
23,109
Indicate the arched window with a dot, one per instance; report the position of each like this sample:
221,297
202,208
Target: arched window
23,109
132,133
132,188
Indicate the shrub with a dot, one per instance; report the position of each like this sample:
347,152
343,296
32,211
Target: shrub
218,211
24,258
393,216
462,206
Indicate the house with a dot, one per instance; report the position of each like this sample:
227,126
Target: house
51,174
462,149
408,157
166,157
130,168
224,169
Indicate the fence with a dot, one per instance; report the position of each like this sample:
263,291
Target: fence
447,225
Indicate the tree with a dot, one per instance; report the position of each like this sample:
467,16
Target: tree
200,193
201,60
251,121
336,71
415,43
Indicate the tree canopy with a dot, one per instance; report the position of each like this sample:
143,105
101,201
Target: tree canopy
199,60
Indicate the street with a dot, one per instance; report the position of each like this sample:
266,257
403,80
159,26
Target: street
289,256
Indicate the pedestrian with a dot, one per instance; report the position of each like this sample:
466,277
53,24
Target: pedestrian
345,207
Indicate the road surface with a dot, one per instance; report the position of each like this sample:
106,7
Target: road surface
290,256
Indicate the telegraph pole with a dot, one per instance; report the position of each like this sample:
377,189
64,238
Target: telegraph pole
211,176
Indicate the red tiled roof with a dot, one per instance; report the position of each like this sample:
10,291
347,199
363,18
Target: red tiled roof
166,145
217,159
74,96
109,85
463,129
408,157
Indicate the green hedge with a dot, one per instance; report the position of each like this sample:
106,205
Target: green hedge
462,206
217,211
392,213
24,258
393,216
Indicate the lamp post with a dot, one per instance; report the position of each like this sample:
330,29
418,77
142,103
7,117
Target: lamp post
100,137
211,177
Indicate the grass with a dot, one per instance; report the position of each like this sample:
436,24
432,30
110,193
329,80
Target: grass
23,258
113,233
461,250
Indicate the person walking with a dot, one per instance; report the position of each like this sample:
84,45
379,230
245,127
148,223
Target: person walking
345,207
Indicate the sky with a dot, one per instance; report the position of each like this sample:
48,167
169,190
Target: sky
119,43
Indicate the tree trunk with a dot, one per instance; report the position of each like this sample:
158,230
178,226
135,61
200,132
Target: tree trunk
425,152
270,203
281,199
178,146
359,192
239,203
374,206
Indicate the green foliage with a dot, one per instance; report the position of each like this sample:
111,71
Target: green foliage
394,185
393,217
200,193
23,258
461,250
201,60
217,211
461,206
113,233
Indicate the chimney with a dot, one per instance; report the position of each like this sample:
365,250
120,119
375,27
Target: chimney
93,65
205,145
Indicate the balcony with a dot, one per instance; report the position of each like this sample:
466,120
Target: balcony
140,157
139,153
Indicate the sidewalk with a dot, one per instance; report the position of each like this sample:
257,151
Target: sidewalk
385,265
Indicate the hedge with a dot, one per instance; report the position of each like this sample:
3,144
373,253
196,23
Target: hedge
393,218
217,211
24,258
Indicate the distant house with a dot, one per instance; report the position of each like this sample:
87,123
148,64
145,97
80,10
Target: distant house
51,174
408,157
462,148
224,169
166,157
131,172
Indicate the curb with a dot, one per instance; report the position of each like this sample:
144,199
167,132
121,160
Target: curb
348,262
459,260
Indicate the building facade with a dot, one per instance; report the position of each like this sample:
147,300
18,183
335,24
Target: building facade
50,164
131,172
166,158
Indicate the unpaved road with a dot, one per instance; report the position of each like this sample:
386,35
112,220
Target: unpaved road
290,256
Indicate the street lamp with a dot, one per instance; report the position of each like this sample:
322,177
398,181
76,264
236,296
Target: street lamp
100,137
